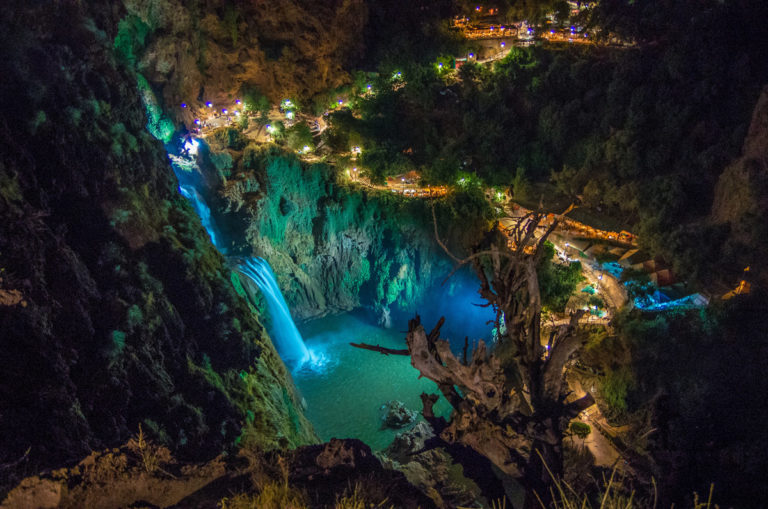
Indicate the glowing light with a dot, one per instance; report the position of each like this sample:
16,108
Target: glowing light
237,113
503,44
369,87
306,148
209,104
191,146
224,111
183,105
341,102
440,65
238,101
289,114
197,121
287,103
471,55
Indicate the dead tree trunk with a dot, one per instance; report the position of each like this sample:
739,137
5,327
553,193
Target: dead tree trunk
517,422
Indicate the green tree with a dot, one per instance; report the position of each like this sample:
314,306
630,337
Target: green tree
299,136
580,429
258,104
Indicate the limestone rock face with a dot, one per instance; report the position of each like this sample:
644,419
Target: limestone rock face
335,248
116,310
741,198
742,189
207,51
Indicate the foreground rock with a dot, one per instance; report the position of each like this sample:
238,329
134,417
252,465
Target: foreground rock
433,471
141,474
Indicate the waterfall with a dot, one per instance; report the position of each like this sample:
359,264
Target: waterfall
284,334
203,211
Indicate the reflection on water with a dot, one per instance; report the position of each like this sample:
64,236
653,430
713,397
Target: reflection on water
346,388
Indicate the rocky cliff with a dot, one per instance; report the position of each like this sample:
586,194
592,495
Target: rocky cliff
194,52
336,247
115,309
741,194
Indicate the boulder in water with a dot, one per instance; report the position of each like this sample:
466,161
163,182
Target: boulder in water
396,415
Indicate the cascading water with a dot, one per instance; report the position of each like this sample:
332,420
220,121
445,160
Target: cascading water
203,211
284,334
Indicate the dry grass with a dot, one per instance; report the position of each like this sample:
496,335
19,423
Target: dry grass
357,500
614,496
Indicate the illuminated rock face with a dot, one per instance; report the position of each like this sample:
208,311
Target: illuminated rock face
335,248
285,48
127,313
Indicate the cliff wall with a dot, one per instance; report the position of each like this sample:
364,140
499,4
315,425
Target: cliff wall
200,51
741,196
336,247
115,309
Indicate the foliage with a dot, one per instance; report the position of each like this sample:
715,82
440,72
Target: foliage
276,495
359,498
257,103
580,429
631,130
299,136
228,137
131,37
557,282
150,454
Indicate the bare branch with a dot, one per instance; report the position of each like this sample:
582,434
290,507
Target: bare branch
380,349
440,242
